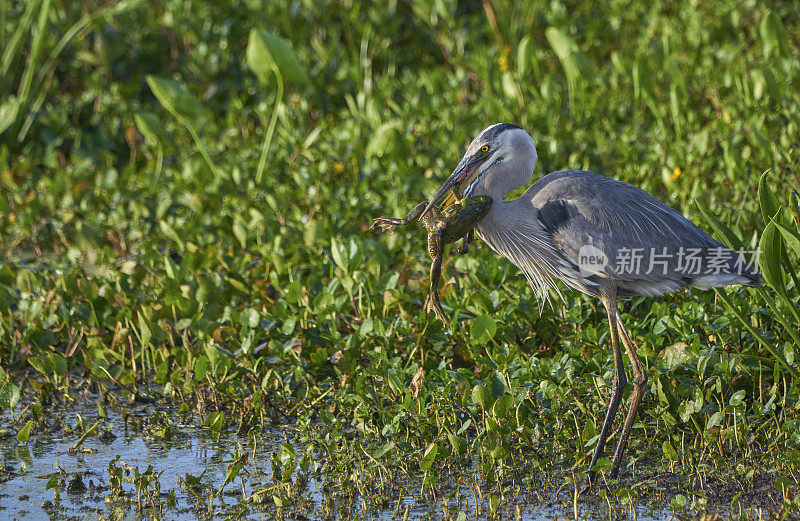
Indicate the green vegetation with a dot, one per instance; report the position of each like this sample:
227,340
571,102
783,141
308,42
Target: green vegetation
186,195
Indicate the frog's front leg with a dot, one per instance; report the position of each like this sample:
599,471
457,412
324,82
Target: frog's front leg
435,249
390,223
466,241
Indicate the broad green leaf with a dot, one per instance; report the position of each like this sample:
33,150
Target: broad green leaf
144,330
457,443
167,229
767,200
201,368
715,420
736,398
572,61
769,247
249,318
240,232
428,458
150,127
25,432
59,364
9,395
483,329
214,421
791,236
43,364
170,268
384,141
669,451
525,57
174,97
772,35
338,254
604,465
730,239
503,404
8,113
267,52
674,355
498,383
642,79
481,395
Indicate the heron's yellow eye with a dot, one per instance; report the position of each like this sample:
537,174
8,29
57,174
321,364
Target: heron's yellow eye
485,148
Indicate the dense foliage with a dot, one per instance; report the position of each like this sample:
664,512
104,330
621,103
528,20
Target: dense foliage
143,248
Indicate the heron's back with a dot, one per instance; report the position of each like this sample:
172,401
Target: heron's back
605,231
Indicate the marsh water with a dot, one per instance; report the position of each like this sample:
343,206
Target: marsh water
83,491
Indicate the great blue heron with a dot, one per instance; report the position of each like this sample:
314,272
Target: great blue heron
598,235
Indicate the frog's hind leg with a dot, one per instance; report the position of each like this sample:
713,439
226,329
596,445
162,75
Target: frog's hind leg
390,223
434,248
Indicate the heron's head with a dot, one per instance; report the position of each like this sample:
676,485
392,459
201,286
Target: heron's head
500,159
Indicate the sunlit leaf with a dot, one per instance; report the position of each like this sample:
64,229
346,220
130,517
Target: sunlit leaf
144,330
481,395
59,364
9,395
770,261
791,237
150,127
8,113
715,420
174,97
669,451
25,432
766,197
729,238
267,52
483,329
384,140
428,457
736,398
772,35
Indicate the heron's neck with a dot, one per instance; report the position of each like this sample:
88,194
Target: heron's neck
512,229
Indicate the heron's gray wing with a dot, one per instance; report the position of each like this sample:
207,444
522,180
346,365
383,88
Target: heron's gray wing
614,230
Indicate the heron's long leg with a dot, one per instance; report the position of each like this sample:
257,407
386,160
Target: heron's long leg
639,382
610,303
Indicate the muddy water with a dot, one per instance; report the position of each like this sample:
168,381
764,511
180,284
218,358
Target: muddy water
85,494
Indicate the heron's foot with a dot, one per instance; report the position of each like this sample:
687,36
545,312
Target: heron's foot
587,484
387,224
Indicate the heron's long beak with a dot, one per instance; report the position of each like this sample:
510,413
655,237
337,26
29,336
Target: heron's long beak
463,172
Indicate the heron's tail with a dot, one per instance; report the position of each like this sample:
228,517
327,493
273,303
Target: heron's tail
755,280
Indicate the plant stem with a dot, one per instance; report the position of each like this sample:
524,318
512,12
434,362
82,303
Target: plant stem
27,77
86,434
159,162
16,39
202,148
262,161
724,296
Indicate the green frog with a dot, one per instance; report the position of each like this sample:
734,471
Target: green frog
445,225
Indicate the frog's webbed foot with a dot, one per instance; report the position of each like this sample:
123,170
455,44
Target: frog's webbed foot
432,303
390,223
386,224
465,242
